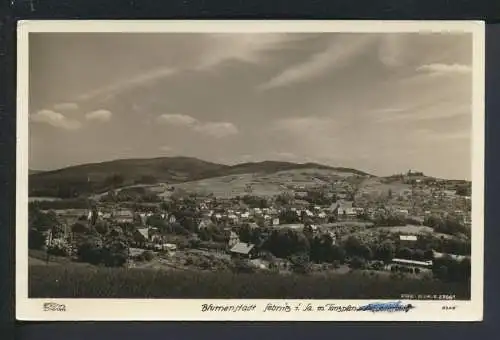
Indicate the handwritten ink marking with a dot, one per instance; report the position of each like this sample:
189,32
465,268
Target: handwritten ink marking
53,307
227,308
271,307
340,309
391,307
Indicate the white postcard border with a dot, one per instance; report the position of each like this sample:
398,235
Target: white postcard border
189,309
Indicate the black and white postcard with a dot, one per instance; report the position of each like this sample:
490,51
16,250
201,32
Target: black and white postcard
250,170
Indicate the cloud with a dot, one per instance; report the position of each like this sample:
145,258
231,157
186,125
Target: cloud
217,129
66,107
336,55
213,129
441,136
177,119
99,115
166,148
247,48
129,83
429,112
55,119
392,49
441,69
304,124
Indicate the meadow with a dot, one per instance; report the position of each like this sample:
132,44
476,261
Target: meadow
99,282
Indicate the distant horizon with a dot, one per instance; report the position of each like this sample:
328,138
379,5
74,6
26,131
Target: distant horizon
249,162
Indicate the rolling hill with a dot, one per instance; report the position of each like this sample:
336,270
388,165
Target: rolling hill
100,177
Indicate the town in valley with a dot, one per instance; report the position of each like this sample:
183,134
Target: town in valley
308,220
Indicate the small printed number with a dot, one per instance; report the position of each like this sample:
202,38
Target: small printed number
449,307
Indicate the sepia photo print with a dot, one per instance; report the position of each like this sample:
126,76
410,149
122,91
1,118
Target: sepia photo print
265,164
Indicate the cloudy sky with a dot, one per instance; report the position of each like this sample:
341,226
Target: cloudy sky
382,103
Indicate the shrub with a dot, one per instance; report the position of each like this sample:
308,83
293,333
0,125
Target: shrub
58,248
146,256
189,261
357,263
242,266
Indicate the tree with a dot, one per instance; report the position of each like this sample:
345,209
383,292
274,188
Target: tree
80,227
177,228
336,254
357,263
43,221
115,232
36,239
57,231
284,243
300,263
366,252
94,215
156,221
419,255
245,233
428,254
441,272
385,251
354,247
289,217
115,252
405,253
463,190
102,227
90,249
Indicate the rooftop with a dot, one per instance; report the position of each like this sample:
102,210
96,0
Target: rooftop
242,248
408,237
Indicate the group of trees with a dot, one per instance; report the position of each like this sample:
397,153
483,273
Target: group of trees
464,189
136,194
289,217
109,251
388,219
70,203
255,201
449,269
286,242
40,224
323,250
447,225
319,197
72,187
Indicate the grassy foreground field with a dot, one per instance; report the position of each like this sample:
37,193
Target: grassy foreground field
79,282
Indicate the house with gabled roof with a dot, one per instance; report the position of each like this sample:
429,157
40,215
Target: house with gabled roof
243,250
